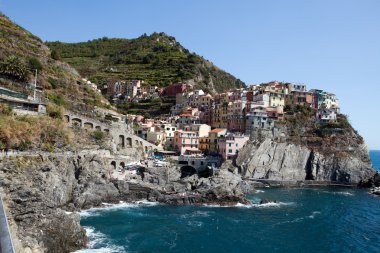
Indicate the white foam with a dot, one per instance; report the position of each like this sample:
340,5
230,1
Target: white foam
339,193
312,216
196,214
95,211
266,205
259,191
195,223
96,240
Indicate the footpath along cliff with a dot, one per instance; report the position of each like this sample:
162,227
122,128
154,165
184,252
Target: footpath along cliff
298,149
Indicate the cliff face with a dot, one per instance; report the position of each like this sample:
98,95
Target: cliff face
334,158
44,192
40,192
285,161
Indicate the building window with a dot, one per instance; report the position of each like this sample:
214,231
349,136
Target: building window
230,151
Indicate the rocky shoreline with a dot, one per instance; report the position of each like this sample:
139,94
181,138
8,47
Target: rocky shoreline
45,194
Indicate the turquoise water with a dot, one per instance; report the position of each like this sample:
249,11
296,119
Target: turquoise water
303,220
375,157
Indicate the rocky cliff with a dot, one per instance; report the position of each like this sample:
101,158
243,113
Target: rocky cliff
43,195
294,152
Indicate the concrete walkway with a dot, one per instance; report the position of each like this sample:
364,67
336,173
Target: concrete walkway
6,244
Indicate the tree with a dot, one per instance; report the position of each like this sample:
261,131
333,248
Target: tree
55,55
35,64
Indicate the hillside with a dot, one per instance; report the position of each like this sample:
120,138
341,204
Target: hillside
158,59
21,53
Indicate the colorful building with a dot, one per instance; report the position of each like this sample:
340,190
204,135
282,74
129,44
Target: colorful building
185,139
229,145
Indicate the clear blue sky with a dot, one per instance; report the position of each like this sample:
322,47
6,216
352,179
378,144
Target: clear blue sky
327,44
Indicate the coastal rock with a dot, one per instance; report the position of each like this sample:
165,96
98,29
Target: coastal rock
281,161
375,191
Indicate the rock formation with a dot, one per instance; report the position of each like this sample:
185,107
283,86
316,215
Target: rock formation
44,193
276,160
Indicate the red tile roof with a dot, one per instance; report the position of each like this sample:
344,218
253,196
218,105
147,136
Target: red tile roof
217,130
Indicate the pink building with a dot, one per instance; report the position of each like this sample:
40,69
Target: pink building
185,140
229,146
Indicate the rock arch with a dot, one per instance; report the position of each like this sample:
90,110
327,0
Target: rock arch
67,118
98,128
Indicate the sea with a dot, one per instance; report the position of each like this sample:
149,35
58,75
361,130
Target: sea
301,220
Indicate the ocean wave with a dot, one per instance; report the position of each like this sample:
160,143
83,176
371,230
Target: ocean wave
300,219
339,193
260,191
196,214
195,223
99,243
254,205
96,211
266,205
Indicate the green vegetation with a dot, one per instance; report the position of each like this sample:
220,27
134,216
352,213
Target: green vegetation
54,111
25,132
13,68
21,53
148,108
5,109
98,136
35,64
157,59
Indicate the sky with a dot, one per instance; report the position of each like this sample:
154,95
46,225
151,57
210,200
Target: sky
327,44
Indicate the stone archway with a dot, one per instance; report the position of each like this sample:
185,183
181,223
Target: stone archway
67,118
88,125
121,141
187,171
113,164
129,142
98,128
122,164
76,122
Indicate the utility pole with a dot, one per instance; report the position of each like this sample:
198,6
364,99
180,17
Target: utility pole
35,86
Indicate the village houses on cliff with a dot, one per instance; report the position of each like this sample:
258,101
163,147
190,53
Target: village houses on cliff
201,124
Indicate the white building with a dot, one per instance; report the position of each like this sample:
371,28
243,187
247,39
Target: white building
326,115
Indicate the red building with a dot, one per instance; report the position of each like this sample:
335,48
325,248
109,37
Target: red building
174,89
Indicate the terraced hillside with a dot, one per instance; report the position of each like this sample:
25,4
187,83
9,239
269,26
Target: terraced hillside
22,53
158,59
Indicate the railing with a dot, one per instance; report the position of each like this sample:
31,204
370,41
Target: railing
6,243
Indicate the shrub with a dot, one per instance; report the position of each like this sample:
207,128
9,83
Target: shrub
5,109
54,111
55,55
98,135
12,67
57,99
25,132
35,64
53,82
